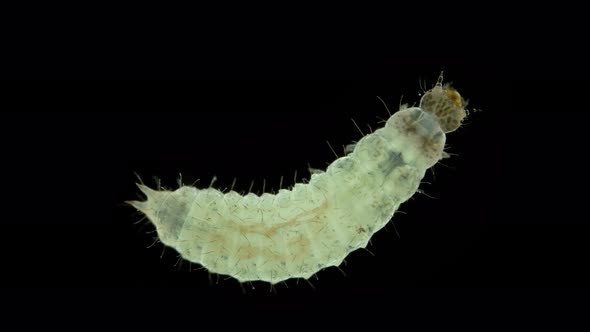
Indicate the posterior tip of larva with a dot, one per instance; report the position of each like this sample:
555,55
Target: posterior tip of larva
146,190
136,204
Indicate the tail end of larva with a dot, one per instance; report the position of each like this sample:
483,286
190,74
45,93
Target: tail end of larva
136,204
142,205
146,190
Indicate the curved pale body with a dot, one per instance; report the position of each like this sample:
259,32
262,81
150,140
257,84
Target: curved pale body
295,233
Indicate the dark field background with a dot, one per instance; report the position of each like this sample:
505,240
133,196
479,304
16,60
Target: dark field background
501,235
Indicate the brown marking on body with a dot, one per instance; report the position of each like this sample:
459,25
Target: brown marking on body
429,144
298,247
314,215
295,248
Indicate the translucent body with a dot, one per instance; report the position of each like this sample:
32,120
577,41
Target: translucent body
298,232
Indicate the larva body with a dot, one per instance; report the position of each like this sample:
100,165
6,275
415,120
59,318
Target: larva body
295,233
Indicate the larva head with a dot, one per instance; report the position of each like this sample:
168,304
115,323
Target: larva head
446,104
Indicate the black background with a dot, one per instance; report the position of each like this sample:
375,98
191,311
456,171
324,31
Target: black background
79,159
503,232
